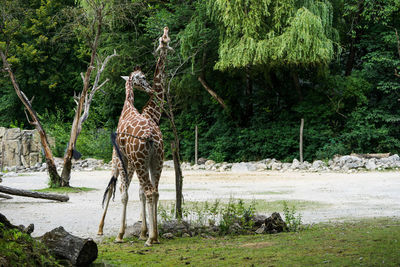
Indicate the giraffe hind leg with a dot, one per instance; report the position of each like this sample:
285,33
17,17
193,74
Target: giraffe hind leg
109,192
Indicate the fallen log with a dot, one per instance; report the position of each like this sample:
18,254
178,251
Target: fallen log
26,193
371,155
5,196
64,246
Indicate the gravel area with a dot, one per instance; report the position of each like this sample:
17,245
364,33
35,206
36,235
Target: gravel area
347,196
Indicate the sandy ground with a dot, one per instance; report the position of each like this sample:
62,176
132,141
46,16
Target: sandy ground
356,195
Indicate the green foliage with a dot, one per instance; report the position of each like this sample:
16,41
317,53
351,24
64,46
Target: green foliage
260,45
272,33
292,219
224,215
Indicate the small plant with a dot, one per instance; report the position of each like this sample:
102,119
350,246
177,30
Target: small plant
293,221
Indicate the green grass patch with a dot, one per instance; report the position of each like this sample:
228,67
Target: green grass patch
62,190
372,242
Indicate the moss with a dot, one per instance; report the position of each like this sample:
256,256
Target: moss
19,249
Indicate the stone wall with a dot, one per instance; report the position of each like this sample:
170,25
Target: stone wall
19,147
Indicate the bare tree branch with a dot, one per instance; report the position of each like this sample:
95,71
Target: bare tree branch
51,166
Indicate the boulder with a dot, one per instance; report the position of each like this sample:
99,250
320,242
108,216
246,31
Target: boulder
243,167
295,164
209,162
168,236
201,161
175,227
276,166
370,165
272,225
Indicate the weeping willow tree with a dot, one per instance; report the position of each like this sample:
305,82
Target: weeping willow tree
254,32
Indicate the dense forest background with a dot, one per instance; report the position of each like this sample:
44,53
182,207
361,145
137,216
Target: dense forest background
334,63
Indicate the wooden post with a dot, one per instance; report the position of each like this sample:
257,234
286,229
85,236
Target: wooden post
301,139
195,144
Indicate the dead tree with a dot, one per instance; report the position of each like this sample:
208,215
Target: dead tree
66,172
51,166
84,101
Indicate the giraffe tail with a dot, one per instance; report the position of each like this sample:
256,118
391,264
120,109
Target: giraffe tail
110,188
119,154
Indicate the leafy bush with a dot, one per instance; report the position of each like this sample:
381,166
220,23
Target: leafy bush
292,219
223,215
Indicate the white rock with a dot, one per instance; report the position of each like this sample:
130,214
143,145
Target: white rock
209,162
295,164
370,165
276,166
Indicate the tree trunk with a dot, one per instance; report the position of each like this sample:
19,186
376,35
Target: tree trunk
63,245
301,140
177,161
66,172
55,179
178,181
196,145
26,193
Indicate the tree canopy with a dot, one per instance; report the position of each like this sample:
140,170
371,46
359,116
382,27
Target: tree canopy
331,62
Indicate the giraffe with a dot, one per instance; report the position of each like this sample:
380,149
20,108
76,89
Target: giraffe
152,111
146,158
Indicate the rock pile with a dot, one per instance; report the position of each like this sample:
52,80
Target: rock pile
261,224
88,164
348,163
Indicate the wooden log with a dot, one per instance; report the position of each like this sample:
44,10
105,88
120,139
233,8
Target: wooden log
78,251
5,196
26,193
372,155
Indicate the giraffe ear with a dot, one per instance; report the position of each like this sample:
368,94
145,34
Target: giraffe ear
125,77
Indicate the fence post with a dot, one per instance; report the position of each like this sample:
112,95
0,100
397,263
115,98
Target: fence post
195,144
301,139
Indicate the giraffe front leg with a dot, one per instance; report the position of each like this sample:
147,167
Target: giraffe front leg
143,231
124,200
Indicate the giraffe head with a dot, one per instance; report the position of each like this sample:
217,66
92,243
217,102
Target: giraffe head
164,41
137,80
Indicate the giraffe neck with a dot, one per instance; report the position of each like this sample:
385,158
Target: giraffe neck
129,99
153,108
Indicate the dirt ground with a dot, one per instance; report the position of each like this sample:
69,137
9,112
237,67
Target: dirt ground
335,196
